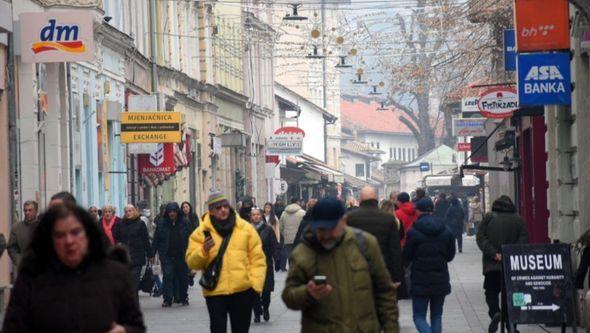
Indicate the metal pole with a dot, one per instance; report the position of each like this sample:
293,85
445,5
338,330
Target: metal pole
213,163
70,128
12,128
154,49
324,85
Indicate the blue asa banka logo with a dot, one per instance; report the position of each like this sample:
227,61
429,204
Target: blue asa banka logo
54,37
544,79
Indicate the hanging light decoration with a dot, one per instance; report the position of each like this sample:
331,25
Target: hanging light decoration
342,63
382,106
374,91
315,54
294,16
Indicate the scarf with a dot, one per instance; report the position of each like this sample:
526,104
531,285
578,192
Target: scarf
224,228
108,228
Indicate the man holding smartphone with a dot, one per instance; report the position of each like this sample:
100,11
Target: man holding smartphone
338,277
241,274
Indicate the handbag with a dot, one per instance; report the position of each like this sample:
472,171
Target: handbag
147,280
210,276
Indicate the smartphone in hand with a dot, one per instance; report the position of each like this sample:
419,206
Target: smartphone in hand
207,234
320,279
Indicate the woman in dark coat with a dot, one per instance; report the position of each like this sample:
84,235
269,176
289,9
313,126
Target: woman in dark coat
66,282
455,220
429,247
270,247
133,234
584,245
189,214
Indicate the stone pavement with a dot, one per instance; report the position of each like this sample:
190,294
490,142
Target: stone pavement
465,310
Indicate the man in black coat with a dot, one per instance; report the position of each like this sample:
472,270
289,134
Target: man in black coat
441,206
170,242
368,217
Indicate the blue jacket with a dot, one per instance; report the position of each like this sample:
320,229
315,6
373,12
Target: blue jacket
455,216
429,247
162,235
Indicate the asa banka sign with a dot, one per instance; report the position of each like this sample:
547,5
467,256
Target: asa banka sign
498,103
57,36
286,141
538,282
544,78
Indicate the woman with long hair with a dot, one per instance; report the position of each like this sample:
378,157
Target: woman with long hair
66,279
189,214
273,221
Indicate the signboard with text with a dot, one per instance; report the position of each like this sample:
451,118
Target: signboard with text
541,25
463,146
424,166
469,104
509,50
469,127
57,36
538,281
160,161
151,127
285,141
544,78
498,103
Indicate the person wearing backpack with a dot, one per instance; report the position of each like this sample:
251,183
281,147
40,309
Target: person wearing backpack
430,246
229,251
338,277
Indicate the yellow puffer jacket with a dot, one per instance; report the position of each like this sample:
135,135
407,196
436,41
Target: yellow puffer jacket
244,263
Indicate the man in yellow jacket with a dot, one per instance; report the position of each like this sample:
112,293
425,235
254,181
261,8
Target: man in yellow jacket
241,273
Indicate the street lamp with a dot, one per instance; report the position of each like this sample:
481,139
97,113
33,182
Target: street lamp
295,15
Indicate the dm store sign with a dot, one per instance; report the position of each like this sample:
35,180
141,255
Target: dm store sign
57,36
544,79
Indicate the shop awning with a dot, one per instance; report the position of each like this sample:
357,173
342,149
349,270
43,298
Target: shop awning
359,183
317,167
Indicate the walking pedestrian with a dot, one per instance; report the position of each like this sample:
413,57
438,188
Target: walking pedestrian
170,243
441,206
93,210
269,247
583,245
108,222
272,220
229,251
61,198
455,221
368,217
429,248
290,221
406,213
132,233
66,283
246,208
420,193
189,214
21,233
338,278
475,215
500,227
305,221
279,207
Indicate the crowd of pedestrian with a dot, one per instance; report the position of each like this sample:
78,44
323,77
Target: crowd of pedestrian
348,262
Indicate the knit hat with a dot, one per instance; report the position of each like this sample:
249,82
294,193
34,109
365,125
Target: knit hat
216,199
403,197
425,205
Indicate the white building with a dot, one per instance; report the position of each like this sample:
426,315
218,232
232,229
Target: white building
440,160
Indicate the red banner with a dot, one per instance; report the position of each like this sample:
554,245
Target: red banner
541,25
464,146
159,162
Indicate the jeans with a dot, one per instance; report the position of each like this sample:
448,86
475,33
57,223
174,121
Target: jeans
419,309
239,308
175,284
261,303
459,237
285,253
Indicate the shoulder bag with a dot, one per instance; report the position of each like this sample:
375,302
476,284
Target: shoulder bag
210,275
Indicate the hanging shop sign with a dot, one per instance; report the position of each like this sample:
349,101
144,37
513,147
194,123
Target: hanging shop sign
57,36
541,25
498,103
509,50
469,126
424,166
538,281
160,161
151,127
463,146
286,141
544,79
469,104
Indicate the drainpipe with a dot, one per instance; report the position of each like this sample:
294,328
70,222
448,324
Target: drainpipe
154,49
12,128
70,128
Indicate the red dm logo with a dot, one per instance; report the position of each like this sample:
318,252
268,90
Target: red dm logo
55,37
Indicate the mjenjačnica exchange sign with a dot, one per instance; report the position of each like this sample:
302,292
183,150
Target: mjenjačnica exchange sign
151,127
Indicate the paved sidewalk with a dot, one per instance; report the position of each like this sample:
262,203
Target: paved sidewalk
465,309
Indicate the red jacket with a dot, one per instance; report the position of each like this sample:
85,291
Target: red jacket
406,213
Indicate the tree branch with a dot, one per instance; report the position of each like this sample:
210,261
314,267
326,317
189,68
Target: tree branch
408,123
405,109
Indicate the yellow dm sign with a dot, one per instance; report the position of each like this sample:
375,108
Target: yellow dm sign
150,127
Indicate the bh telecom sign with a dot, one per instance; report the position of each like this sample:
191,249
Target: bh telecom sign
544,78
57,36
286,141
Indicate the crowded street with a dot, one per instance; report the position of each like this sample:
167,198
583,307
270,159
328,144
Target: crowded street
285,166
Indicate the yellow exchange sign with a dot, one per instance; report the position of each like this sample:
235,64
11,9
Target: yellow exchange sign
151,127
